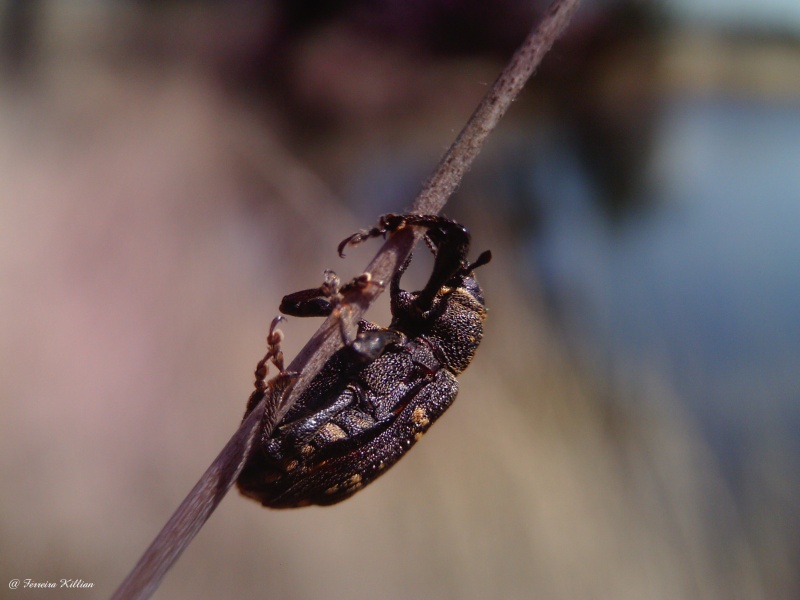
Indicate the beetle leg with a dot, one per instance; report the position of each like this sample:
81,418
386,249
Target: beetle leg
328,299
386,224
278,384
323,300
395,290
450,243
314,302
449,240
301,431
361,282
274,353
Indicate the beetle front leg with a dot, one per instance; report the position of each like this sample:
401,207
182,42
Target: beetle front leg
329,299
314,302
448,239
323,300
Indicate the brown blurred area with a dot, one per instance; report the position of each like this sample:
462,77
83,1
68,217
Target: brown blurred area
169,171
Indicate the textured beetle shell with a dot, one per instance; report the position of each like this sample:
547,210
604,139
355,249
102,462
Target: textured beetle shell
395,399
328,469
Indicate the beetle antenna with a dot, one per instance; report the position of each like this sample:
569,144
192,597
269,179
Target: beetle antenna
484,258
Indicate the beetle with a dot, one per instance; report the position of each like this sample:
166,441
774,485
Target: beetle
376,396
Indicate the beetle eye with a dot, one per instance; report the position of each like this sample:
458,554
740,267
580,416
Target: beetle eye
471,285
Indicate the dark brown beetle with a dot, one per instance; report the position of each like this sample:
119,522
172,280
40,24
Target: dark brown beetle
376,396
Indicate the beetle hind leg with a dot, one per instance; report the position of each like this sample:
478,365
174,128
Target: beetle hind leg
278,384
274,354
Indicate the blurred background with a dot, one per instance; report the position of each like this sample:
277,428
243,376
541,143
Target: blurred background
630,427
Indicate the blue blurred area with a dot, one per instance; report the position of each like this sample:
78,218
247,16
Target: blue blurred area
771,13
702,285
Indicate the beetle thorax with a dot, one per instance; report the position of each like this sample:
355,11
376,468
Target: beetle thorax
459,327
453,326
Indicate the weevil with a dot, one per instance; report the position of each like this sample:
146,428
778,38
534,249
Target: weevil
375,397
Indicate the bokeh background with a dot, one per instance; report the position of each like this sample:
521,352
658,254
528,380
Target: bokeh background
630,427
